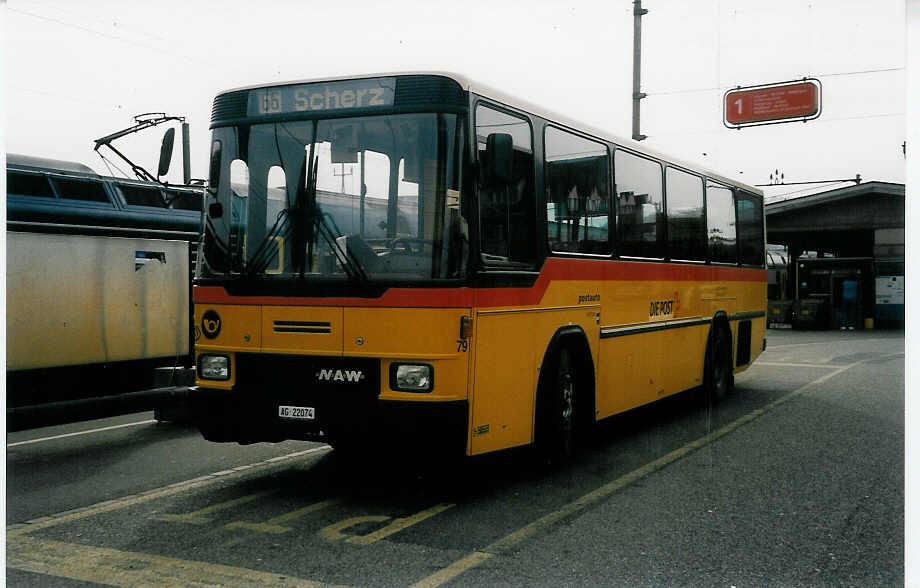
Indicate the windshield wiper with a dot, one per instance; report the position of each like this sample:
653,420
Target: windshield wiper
265,253
342,253
293,219
315,220
305,220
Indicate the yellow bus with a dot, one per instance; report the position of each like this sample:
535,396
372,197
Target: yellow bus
416,257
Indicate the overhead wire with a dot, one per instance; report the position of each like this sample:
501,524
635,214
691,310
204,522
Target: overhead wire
73,15
784,195
820,75
107,35
51,94
107,163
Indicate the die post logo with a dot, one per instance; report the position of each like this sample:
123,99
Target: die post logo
210,324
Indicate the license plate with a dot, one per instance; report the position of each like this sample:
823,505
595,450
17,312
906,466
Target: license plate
303,413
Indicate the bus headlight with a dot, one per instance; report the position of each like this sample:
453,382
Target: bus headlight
213,367
411,377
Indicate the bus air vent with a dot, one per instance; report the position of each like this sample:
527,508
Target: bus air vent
427,90
315,327
230,106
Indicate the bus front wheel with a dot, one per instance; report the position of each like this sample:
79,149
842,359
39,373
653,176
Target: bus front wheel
556,409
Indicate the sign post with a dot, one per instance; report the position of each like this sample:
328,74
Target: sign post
772,103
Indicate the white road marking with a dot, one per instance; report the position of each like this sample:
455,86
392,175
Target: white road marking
81,433
801,365
823,342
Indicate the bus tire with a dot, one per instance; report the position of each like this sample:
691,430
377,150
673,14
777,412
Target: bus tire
556,405
718,378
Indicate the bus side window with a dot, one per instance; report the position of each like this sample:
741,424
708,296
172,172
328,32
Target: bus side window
239,209
686,225
28,185
577,193
750,228
142,195
276,201
507,212
720,224
180,200
640,206
81,190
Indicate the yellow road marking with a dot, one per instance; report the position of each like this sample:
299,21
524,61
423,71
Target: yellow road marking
125,568
274,525
334,532
453,570
398,525
198,517
118,504
581,504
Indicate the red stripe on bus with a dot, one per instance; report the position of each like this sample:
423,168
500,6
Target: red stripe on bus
555,269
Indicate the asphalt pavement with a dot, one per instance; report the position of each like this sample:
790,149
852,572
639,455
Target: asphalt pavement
795,480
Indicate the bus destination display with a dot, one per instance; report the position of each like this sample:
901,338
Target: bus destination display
344,95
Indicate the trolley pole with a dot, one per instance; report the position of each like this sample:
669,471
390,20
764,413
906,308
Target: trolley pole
638,11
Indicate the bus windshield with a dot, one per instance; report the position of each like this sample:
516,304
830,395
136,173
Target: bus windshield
375,197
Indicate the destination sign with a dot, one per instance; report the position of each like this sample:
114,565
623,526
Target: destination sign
773,103
322,97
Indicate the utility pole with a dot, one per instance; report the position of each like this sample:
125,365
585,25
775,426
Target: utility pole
638,11
343,174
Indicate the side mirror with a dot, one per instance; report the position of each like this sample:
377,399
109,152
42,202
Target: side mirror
214,169
166,149
499,158
215,210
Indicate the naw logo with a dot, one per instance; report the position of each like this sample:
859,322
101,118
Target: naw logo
353,376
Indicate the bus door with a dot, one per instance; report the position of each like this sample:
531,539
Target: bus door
504,377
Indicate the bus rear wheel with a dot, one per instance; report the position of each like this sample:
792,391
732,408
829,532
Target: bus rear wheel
718,380
555,435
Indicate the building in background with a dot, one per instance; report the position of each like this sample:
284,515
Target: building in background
850,233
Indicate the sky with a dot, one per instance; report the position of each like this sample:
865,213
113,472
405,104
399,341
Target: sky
78,71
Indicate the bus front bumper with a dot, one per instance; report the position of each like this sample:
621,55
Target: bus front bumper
230,416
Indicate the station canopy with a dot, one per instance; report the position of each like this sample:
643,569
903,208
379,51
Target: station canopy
863,220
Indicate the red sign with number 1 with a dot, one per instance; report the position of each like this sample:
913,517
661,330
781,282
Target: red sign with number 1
773,103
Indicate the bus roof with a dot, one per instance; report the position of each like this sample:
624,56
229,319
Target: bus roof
46,164
500,96
30,163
